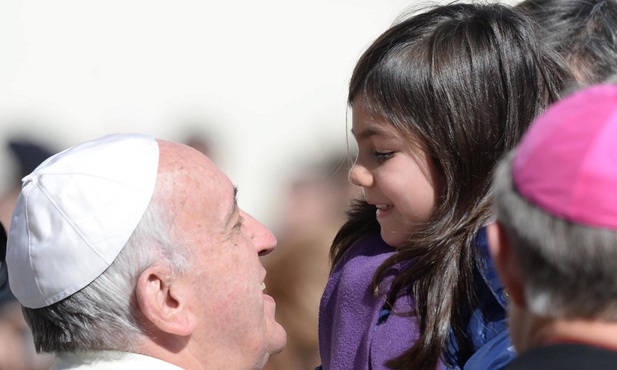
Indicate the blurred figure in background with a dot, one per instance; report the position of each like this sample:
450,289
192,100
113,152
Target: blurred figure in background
203,143
17,349
313,211
28,154
584,32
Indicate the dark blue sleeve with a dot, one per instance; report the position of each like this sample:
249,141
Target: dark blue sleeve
493,355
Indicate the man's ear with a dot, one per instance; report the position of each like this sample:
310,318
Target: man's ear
163,300
506,263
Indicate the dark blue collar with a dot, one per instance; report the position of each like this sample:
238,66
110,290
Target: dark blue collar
487,270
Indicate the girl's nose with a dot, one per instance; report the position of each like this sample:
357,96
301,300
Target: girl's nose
360,176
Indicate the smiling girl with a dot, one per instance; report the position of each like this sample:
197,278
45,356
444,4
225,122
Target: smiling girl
436,100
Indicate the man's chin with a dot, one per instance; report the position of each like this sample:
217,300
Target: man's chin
278,339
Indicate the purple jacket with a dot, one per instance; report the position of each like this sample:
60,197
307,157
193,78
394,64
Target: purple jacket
354,334
349,337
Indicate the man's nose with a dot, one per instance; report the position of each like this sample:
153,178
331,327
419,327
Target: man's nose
262,237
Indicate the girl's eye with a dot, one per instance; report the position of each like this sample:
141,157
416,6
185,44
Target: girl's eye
382,156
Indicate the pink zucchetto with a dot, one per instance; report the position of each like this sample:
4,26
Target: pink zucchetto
566,163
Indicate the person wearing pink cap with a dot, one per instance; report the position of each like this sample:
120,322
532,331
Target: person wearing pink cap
554,241
128,252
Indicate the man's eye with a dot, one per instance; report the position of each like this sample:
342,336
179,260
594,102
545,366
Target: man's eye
382,156
238,224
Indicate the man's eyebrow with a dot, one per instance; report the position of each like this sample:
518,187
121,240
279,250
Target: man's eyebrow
233,209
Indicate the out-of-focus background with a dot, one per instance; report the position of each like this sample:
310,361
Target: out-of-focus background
258,85
264,82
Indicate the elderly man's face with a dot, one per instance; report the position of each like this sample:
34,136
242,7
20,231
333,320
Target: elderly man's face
236,317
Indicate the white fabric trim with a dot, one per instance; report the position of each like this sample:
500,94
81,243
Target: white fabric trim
109,360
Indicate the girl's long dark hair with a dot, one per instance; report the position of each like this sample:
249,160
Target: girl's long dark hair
465,80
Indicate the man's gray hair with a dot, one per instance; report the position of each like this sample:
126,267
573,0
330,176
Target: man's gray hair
103,315
568,270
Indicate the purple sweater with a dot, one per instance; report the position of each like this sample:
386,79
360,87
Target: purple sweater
349,334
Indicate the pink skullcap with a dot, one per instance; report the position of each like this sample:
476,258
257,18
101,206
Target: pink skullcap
566,163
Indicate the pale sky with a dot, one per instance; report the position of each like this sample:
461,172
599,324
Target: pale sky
266,79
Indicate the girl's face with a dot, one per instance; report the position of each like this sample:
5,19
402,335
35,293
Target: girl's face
395,174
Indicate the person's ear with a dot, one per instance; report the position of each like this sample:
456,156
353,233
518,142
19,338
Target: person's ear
163,300
506,263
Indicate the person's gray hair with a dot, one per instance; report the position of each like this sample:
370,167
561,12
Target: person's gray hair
568,269
103,315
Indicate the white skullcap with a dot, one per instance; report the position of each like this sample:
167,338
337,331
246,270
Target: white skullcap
75,213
